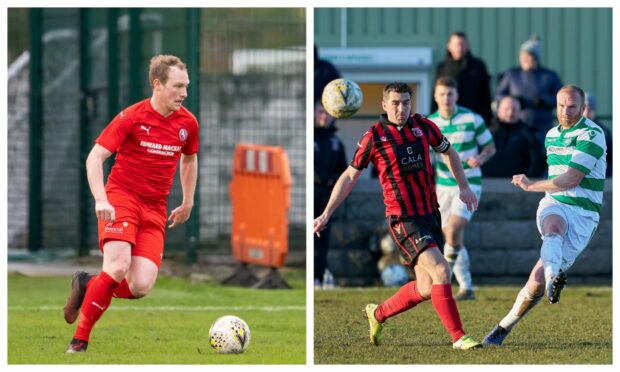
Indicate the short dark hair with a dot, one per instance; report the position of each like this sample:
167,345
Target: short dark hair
460,34
574,89
396,87
446,81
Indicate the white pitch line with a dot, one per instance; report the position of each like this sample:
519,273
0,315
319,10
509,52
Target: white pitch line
171,308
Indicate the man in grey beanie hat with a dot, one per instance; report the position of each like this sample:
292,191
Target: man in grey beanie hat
532,46
534,86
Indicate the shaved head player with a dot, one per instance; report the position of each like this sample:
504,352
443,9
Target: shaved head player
568,214
150,139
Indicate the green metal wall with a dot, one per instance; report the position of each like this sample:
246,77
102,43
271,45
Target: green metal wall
82,65
576,42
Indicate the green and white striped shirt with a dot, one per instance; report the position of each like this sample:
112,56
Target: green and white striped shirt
581,147
466,131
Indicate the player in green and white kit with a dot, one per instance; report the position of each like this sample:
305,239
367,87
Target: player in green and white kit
569,213
467,133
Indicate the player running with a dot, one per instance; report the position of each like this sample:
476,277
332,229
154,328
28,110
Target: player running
398,146
569,213
150,138
467,132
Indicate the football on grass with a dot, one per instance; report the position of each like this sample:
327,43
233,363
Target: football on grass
229,335
342,98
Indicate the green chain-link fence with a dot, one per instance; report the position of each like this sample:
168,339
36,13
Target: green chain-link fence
72,70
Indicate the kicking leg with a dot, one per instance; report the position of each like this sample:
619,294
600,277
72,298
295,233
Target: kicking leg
554,230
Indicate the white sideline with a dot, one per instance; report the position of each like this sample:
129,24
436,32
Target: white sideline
171,308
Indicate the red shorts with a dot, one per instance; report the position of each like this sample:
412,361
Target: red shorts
137,222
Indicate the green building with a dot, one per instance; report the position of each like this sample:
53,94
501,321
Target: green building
575,42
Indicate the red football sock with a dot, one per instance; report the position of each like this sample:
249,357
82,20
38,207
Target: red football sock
445,306
96,301
90,281
406,298
123,291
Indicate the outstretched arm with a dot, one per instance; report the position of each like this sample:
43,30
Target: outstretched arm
567,180
341,190
189,174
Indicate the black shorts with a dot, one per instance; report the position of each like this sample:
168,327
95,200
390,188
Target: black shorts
413,235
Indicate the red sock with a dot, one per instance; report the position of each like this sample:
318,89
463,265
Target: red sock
406,298
123,291
96,301
90,281
445,306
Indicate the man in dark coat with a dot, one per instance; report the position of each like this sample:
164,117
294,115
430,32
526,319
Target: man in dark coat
329,163
534,86
517,152
590,113
324,72
471,76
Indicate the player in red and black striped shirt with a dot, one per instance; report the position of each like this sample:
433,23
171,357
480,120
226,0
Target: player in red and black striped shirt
398,146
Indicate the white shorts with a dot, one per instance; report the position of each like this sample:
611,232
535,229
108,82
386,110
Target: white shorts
581,226
450,203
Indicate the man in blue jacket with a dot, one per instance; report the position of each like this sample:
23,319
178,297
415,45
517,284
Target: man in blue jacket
534,86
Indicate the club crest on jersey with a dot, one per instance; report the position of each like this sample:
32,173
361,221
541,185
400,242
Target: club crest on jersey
183,134
383,138
417,132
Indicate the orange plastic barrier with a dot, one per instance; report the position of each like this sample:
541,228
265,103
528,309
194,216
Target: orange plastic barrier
260,196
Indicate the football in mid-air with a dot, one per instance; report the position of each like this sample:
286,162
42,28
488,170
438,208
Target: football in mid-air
342,98
229,335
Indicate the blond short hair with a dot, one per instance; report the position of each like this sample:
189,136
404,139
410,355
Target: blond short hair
160,66
571,88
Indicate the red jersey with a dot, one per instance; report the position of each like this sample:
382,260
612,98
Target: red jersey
148,146
401,155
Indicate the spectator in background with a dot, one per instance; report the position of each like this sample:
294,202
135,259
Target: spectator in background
590,113
470,74
517,152
329,163
534,86
324,72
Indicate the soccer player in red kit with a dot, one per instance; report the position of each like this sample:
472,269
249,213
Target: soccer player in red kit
150,139
398,146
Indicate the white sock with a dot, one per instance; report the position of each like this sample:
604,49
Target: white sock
525,302
461,270
451,254
551,255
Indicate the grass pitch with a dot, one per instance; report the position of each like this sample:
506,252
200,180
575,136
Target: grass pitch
169,326
578,330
